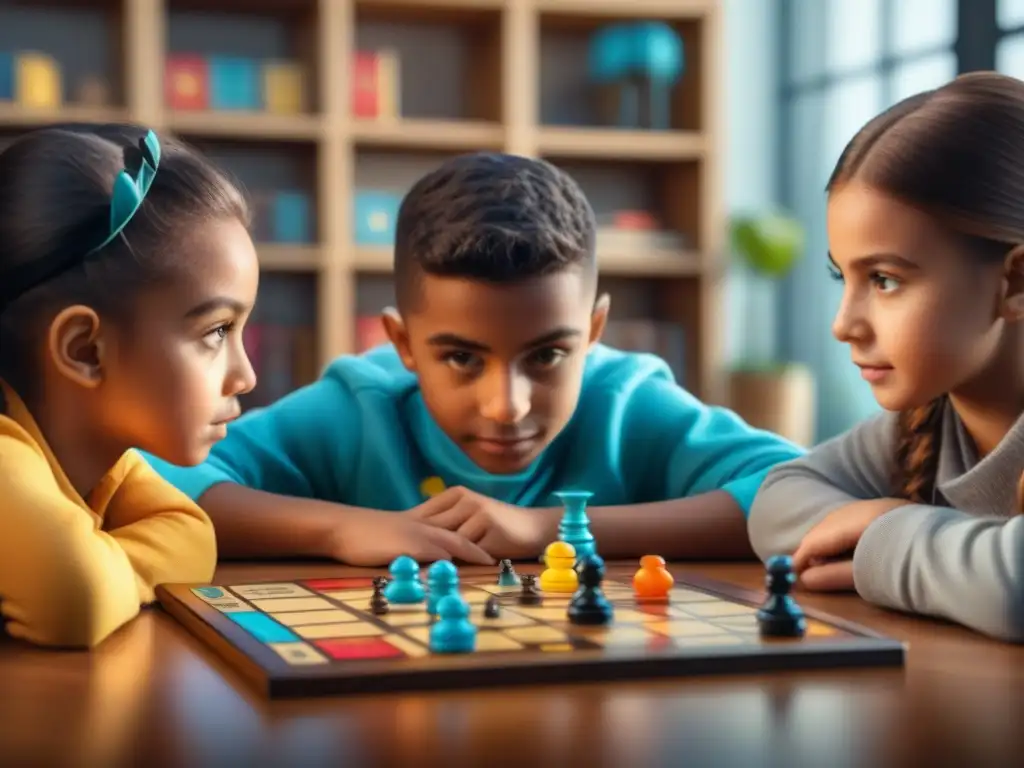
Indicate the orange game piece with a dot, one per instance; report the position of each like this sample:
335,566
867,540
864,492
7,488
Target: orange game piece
653,578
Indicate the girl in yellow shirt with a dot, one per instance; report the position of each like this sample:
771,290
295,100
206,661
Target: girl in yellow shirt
126,275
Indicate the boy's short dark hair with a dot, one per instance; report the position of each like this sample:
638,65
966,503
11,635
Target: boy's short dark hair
492,217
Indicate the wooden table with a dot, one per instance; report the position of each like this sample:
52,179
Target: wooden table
154,696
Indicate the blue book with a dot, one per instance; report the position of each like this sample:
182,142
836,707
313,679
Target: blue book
6,76
234,83
375,217
291,218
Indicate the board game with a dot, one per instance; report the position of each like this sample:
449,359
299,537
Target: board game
319,637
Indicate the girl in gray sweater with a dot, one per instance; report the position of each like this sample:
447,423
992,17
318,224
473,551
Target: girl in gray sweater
918,509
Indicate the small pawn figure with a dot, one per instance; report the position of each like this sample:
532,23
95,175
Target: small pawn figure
442,580
378,603
780,616
452,632
560,574
492,608
589,606
653,580
507,575
404,587
529,594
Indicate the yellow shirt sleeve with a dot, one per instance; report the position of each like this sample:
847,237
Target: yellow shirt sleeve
74,571
165,534
63,581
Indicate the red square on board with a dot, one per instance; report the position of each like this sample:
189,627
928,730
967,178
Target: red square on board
187,82
350,649
335,585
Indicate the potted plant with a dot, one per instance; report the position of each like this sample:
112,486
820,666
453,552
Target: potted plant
778,395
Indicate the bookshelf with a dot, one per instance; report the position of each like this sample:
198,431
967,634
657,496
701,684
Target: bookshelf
475,75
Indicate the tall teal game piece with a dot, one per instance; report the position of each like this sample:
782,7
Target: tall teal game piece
575,525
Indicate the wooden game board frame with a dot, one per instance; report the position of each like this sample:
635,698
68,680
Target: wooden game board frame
279,679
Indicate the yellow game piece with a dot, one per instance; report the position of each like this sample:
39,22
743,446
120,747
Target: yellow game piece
432,486
560,575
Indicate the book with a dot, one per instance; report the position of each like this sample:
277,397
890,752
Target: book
375,213
38,83
187,82
234,83
370,333
291,216
375,84
6,76
283,88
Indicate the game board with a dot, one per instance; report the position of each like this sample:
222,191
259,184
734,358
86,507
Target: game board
317,636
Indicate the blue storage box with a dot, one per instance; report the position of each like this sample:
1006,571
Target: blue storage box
234,83
375,215
6,76
291,218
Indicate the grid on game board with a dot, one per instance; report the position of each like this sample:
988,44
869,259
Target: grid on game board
315,621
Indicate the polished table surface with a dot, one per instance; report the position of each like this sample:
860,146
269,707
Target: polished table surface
154,696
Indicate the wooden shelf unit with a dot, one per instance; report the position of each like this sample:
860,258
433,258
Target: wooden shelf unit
503,95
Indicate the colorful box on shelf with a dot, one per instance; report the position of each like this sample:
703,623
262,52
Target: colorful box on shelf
375,215
375,84
234,83
187,82
291,218
283,88
31,79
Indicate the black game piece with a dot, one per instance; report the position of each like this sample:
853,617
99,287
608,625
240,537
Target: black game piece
530,594
589,606
780,616
378,603
492,608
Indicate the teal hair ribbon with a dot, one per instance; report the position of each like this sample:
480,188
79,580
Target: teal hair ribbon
125,200
129,193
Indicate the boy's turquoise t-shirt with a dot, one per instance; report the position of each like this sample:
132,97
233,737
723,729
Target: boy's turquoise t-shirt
362,436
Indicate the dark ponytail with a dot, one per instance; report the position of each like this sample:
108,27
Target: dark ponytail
957,153
55,195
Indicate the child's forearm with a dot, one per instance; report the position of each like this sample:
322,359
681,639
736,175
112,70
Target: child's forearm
257,524
710,526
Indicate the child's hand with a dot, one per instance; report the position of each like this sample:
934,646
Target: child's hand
502,530
373,538
824,558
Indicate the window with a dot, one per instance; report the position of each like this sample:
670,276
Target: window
1009,37
843,63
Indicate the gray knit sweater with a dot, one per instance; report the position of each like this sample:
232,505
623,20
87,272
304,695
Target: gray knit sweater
960,558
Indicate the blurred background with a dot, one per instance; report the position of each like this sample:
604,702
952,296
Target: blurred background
703,132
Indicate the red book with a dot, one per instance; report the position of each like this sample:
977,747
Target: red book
370,333
187,82
366,81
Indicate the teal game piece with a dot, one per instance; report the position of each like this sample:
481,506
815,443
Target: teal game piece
452,632
442,580
575,525
507,576
405,587
211,592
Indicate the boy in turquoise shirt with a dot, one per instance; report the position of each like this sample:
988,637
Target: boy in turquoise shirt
495,393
